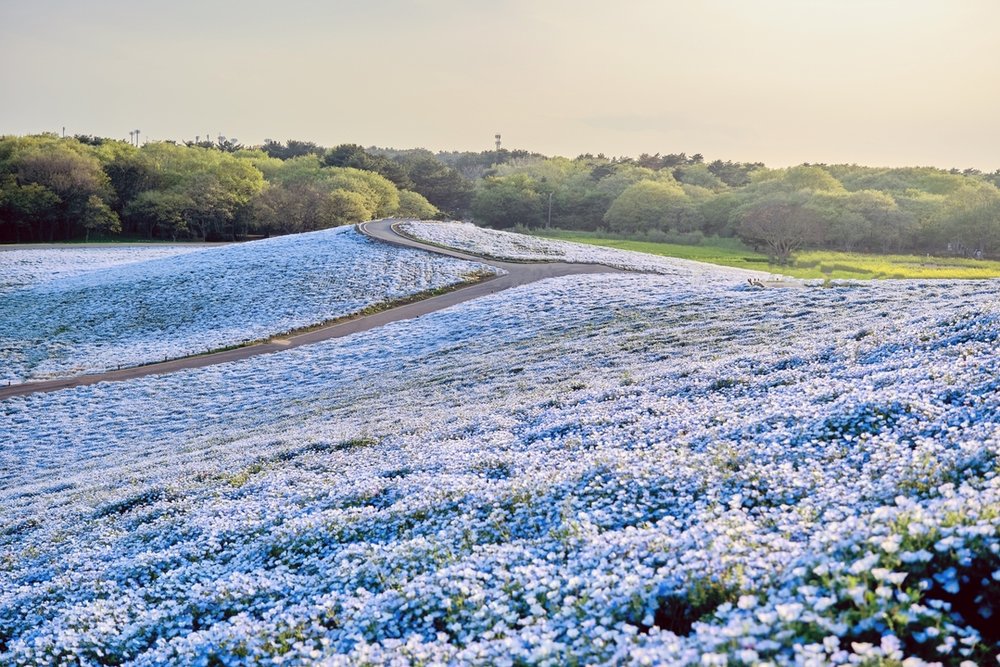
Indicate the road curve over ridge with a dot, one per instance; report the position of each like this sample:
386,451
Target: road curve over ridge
517,274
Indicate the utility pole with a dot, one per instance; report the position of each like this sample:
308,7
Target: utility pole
548,224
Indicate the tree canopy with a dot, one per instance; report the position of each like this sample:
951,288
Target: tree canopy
680,198
54,188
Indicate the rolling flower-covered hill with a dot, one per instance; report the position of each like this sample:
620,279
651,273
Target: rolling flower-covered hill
611,469
22,267
74,313
512,246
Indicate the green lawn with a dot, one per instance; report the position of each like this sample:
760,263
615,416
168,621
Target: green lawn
806,264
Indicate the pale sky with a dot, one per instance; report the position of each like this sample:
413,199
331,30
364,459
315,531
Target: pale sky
876,82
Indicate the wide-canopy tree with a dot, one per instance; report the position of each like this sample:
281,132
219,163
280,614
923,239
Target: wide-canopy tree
781,223
648,205
415,205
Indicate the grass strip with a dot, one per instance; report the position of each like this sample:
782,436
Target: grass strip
805,264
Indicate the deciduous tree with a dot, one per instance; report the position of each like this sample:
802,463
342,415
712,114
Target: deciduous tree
649,205
781,223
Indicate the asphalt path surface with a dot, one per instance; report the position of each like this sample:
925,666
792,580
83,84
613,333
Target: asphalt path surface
518,273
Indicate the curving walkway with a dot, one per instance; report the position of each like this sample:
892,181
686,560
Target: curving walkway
517,274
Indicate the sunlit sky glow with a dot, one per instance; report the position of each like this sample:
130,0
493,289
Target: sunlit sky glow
877,82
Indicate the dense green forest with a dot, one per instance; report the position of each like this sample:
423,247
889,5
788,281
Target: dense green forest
58,189
682,199
55,188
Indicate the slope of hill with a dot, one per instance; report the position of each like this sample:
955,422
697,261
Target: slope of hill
629,468
520,247
175,306
22,267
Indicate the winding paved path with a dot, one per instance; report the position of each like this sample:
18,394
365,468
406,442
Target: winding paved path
517,274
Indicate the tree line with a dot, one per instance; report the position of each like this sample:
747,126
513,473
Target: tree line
684,199
54,188
58,189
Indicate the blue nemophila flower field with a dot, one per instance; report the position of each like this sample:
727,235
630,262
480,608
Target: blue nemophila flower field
26,267
65,312
610,469
520,247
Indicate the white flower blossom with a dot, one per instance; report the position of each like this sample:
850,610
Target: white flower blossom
542,476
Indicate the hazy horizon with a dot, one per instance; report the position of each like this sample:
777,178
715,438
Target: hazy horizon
873,82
